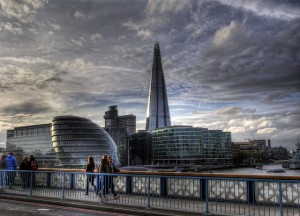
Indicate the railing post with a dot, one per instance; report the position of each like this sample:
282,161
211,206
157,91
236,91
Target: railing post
149,192
163,186
49,179
203,187
72,180
206,197
101,197
250,191
31,183
63,186
128,184
280,199
3,181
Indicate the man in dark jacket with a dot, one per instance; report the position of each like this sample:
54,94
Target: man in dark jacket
11,164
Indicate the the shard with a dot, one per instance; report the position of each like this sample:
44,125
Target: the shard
158,114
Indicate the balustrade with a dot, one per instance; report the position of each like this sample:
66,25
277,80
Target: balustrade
220,194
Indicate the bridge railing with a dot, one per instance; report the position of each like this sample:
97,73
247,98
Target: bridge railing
188,192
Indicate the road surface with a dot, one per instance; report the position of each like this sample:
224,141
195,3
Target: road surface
21,208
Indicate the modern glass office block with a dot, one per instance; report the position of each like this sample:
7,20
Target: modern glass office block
32,140
187,145
75,138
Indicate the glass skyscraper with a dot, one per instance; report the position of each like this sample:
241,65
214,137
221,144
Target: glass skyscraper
158,109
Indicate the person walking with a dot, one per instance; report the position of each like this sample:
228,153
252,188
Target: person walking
90,167
3,161
113,169
3,167
105,168
11,164
34,167
25,175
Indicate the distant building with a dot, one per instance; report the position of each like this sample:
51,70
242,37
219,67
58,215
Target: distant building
141,148
120,128
252,151
158,114
33,139
182,145
236,154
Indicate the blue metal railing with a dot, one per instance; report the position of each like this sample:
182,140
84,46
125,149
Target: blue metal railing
200,194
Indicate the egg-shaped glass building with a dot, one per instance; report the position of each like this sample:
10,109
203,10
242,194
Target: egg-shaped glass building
75,139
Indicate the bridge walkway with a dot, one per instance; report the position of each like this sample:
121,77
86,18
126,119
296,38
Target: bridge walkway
139,204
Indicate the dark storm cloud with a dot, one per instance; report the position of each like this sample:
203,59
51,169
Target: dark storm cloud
29,107
230,65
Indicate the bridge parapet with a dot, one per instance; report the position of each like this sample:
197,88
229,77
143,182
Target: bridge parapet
200,192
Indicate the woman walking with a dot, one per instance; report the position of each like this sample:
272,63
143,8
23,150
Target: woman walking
90,167
105,168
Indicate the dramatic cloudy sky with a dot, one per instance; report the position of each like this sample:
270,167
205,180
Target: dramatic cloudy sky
229,65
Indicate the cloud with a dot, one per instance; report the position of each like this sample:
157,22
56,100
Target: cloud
167,6
279,10
144,33
26,60
77,64
96,37
80,15
140,30
229,111
13,28
24,108
23,11
225,34
265,131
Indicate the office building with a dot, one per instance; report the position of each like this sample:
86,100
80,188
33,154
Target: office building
75,139
187,145
120,128
32,140
158,109
140,148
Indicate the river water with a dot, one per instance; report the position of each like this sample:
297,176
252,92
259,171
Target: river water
264,171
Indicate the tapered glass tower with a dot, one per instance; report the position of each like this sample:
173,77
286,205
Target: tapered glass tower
158,114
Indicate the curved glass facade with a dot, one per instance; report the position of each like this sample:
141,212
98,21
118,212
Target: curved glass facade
75,138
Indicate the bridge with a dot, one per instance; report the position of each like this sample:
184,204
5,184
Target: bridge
194,193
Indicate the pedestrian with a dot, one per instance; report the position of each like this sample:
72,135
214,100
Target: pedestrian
11,165
90,167
25,174
113,169
3,161
105,168
34,167
3,167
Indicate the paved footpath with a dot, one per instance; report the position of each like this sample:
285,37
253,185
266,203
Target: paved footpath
21,208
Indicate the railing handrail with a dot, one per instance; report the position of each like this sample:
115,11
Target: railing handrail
190,174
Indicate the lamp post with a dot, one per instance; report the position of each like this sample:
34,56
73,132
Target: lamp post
128,153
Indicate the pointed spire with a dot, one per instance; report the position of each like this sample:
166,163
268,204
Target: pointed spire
158,114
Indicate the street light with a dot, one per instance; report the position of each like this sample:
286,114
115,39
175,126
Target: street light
128,159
